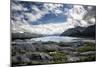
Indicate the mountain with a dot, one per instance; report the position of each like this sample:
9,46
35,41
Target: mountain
24,35
81,31
90,31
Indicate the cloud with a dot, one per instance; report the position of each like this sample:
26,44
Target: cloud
35,14
54,8
92,20
29,15
20,10
18,7
23,16
77,12
50,6
75,16
49,29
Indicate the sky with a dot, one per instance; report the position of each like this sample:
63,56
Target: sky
49,18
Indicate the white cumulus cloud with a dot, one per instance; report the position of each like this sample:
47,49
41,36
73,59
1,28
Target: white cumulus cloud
75,17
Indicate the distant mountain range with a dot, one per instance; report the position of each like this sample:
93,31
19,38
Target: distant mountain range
81,31
24,35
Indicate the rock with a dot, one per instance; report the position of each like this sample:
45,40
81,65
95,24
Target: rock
18,40
67,48
87,53
51,47
29,57
24,46
39,47
20,59
66,51
74,53
45,56
73,59
46,47
39,56
70,53
77,44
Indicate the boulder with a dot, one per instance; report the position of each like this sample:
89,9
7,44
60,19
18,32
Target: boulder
20,59
88,53
39,56
24,46
67,48
73,59
51,47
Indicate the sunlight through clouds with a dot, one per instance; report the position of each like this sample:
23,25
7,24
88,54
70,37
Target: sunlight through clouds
49,18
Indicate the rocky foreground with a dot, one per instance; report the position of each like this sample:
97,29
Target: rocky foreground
36,53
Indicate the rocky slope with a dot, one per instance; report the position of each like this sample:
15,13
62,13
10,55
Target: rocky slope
37,53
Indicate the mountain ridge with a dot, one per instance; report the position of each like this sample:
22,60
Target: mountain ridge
81,31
